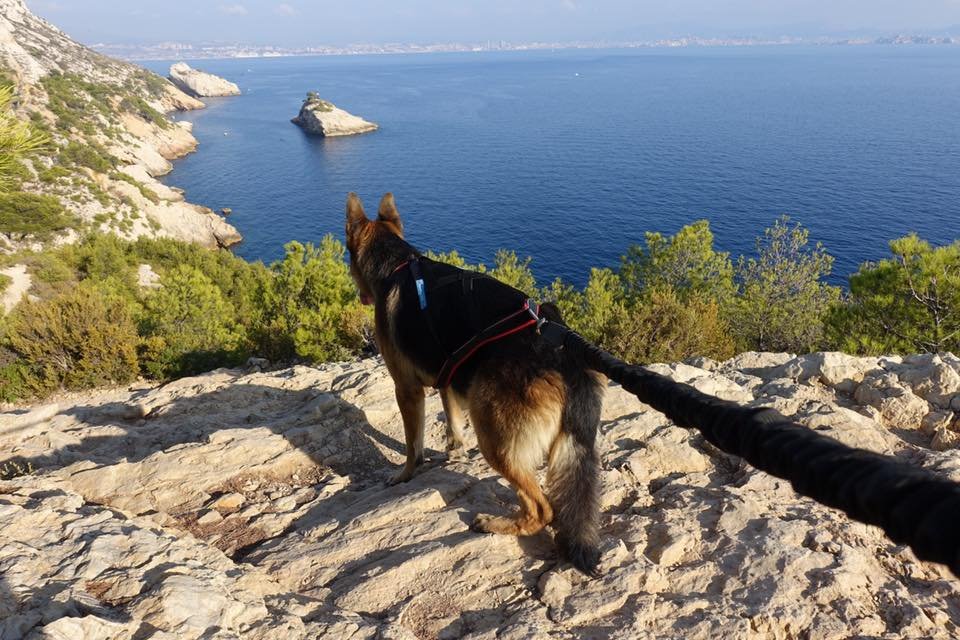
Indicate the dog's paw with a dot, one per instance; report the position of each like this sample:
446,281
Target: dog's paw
457,454
403,475
485,523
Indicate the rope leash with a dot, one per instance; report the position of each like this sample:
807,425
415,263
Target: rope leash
911,505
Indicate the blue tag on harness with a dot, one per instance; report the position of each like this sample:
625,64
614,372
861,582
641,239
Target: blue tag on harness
421,293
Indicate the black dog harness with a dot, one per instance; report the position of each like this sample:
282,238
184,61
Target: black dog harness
471,296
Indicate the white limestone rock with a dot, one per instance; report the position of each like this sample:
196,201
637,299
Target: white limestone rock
898,405
256,504
322,118
201,84
930,377
18,286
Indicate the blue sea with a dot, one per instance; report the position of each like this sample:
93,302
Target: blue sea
571,156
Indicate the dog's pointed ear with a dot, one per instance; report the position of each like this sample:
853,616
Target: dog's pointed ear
388,211
356,218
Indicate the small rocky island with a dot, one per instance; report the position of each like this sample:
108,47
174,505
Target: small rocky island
200,83
322,118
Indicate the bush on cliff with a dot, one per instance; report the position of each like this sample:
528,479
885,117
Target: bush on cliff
672,298
782,297
905,304
83,338
658,324
685,263
188,326
665,326
665,303
310,307
32,216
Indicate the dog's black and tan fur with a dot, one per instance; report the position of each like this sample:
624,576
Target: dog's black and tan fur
526,400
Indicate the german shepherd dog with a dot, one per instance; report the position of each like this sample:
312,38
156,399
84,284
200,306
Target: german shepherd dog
526,399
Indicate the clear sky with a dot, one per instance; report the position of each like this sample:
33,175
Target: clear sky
304,22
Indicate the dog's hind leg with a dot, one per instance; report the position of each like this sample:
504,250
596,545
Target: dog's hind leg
454,430
514,431
410,401
535,511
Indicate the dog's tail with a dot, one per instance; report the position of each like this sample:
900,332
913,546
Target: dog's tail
573,474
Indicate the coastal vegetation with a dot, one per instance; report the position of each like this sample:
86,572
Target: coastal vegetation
674,297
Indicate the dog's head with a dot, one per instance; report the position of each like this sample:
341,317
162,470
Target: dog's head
363,232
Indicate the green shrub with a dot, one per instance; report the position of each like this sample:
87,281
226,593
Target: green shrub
51,272
783,299
455,259
310,306
14,383
240,281
685,263
664,326
658,325
509,269
78,340
150,82
29,215
138,106
105,259
593,312
77,103
17,174
904,304
89,154
53,174
188,326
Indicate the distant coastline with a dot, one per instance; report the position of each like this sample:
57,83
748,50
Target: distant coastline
178,50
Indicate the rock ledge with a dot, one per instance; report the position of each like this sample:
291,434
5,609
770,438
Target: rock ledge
255,504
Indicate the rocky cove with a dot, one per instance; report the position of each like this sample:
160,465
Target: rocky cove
254,503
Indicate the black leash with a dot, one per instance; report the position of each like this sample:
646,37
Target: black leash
912,506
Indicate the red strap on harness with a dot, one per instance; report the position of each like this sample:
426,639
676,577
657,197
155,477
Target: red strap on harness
533,321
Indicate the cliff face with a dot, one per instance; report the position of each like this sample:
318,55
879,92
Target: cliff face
111,137
256,502
201,84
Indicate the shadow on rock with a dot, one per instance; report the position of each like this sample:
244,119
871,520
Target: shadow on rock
332,432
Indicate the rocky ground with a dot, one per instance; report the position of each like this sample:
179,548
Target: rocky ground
255,504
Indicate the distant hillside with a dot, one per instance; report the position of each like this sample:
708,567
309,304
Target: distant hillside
110,139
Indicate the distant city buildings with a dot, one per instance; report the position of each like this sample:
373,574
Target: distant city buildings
170,50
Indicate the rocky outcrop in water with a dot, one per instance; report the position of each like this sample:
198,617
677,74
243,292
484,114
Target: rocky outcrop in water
255,503
322,118
201,84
